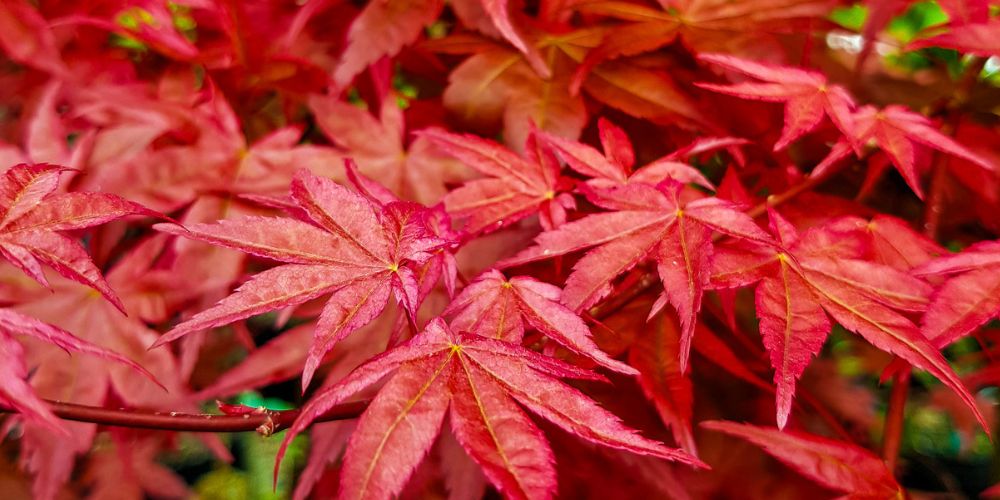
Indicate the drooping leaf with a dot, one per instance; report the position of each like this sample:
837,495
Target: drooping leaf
649,223
969,297
343,246
429,373
836,465
807,95
495,307
805,276
656,355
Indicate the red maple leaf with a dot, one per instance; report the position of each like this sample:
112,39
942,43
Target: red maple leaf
15,392
339,245
478,380
497,85
968,298
703,25
647,222
808,276
516,187
656,355
807,95
33,215
902,135
498,308
834,464
613,168
414,171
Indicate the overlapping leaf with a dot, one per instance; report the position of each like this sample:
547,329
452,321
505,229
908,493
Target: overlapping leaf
476,381
32,215
493,306
15,392
514,189
415,172
613,168
902,135
807,95
339,245
647,222
704,25
969,297
817,273
836,465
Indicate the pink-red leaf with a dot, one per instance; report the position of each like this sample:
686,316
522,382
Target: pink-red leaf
834,464
807,95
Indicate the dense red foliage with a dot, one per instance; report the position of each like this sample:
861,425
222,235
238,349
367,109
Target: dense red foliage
557,247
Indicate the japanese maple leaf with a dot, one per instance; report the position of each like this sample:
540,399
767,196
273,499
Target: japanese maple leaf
647,222
834,464
150,22
902,135
382,29
703,25
656,355
515,188
218,159
26,37
496,85
976,38
130,469
32,215
613,167
495,307
476,380
15,391
807,95
45,135
340,245
889,241
968,298
414,171
808,276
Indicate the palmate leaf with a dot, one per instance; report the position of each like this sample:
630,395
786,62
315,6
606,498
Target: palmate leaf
32,214
836,465
377,142
479,379
613,167
345,245
968,299
514,189
903,135
807,95
649,222
495,307
14,391
818,273
703,25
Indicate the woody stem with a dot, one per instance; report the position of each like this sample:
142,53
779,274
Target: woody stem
194,422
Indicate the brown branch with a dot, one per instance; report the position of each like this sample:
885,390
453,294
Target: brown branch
264,421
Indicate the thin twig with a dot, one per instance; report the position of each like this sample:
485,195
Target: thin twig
272,420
